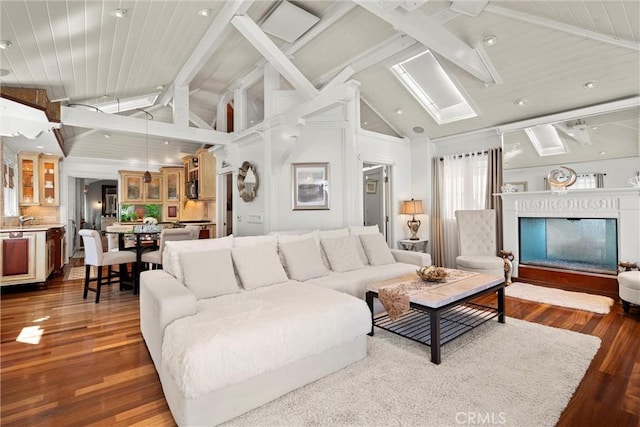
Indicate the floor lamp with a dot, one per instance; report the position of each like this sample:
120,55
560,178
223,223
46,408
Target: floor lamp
412,207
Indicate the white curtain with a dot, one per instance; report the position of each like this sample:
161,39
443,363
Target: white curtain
465,187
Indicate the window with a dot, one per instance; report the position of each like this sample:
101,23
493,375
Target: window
430,84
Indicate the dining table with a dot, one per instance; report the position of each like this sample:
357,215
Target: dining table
144,238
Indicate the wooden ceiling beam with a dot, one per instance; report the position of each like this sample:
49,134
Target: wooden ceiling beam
258,39
434,36
115,123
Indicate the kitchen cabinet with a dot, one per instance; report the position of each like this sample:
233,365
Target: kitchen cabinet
49,181
23,257
30,256
173,183
201,167
28,179
134,191
55,250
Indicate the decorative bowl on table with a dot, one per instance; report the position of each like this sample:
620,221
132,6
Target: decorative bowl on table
432,274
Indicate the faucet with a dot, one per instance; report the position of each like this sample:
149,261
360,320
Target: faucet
24,219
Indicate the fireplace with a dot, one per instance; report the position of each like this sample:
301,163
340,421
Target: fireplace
617,208
579,244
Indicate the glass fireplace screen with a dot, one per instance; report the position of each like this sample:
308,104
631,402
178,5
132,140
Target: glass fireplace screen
581,244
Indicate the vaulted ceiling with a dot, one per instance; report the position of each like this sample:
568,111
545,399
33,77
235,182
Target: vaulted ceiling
544,53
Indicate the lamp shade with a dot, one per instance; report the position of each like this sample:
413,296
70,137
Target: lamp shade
411,207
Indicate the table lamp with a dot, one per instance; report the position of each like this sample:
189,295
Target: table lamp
412,207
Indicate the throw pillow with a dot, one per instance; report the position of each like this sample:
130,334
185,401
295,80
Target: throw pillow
360,249
342,254
331,234
209,273
255,240
172,249
258,265
355,230
302,260
290,238
377,249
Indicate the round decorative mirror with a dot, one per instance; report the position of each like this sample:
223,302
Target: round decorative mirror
561,177
248,181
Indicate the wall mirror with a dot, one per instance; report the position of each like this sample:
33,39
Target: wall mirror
109,200
248,181
606,143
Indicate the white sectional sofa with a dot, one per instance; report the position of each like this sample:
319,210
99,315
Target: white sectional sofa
233,323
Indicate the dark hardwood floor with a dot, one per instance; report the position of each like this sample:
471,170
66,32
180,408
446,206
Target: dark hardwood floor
91,366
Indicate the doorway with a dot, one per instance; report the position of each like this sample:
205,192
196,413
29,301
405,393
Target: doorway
376,196
227,205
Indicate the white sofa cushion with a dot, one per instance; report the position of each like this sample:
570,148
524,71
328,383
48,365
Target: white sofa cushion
357,230
258,265
342,254
331,234
355,282
209,274
172,249
239,242
377,250
236,337
288,238
302,260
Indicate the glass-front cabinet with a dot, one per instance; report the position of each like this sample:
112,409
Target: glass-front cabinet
131,187
134,191
49,185
173,183
28,178
153,189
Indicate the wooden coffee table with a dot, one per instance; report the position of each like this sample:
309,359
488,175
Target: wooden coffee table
442,311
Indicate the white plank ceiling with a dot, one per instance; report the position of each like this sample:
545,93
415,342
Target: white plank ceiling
545,51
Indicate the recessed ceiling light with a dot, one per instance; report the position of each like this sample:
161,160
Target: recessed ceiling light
120,13
594,127
107,135
204,12
519,102
365,123
602,153
590,84
39,146
490,40
104,96
4,72
5,44
418,129
49,154
398,111
166,142
160,87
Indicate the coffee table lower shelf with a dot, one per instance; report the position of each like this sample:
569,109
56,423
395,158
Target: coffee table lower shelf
455,321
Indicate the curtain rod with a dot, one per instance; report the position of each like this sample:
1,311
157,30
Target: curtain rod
459,156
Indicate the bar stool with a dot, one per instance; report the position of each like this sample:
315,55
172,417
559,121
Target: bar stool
94,256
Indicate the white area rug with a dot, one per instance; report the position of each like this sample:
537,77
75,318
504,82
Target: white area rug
579,300
515,374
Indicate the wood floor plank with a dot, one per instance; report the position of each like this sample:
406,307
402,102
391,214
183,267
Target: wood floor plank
91,366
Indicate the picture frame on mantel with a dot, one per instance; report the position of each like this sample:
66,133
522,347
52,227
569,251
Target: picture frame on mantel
519,186
310,186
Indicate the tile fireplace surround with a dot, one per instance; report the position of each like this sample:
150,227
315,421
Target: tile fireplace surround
620,203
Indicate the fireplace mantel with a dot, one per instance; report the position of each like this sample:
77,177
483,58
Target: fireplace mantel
620,203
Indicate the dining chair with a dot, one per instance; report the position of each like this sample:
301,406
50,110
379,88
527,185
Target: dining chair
194,230
168,234
477,244
112,239
94,256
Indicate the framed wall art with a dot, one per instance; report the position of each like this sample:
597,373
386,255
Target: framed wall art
310,186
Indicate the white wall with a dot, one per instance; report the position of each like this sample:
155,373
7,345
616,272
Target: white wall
618,172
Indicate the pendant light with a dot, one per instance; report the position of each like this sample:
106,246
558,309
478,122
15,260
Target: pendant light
146,178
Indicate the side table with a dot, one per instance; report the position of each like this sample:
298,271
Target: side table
414,245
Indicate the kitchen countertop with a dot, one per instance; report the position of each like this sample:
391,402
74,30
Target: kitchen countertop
40,227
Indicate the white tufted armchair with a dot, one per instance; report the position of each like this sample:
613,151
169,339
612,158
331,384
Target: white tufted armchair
477,244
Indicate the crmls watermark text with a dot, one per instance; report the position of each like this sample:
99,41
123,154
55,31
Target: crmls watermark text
481,418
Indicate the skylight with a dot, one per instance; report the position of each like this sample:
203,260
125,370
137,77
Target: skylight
429,83
546,141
